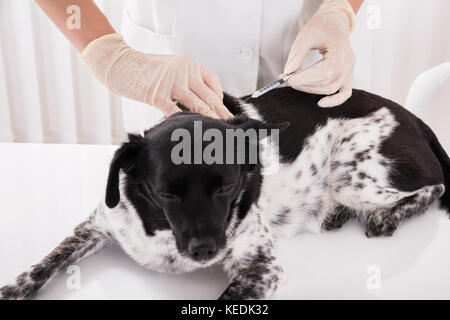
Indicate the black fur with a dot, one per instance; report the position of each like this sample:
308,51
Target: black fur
419,159
182,197
445,164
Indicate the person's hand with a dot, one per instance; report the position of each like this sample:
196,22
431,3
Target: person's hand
328,31
157,80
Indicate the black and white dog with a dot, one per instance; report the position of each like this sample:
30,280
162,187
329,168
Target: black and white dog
368,158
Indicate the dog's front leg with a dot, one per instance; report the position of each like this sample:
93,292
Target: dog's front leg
251,263
87,238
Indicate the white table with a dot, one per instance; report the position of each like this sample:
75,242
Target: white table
47,189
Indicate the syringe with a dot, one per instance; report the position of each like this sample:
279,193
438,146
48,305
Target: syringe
272,85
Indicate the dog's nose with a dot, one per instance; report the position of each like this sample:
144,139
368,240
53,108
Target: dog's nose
202,249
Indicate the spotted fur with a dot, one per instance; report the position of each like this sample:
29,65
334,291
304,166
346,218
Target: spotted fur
335,164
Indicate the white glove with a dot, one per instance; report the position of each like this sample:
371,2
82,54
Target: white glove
328,30
157,80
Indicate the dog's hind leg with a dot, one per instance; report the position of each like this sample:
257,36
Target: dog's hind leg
88,237
338,217
385,221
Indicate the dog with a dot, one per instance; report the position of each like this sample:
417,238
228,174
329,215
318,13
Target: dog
369,158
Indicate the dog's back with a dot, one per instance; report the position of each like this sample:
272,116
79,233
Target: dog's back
369,156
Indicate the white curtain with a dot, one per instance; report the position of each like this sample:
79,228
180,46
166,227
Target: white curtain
410,37
48,95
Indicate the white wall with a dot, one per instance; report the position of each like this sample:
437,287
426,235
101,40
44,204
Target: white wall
48,95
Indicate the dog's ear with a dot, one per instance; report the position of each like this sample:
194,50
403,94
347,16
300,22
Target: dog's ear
124,159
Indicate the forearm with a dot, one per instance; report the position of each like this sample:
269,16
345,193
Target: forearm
355,4
94,23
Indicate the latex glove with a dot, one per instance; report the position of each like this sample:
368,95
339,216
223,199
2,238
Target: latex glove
157,80
328,30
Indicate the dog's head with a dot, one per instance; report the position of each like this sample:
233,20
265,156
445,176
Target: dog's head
180,173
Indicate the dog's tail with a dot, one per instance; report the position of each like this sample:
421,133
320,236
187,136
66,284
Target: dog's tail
86,239
444,160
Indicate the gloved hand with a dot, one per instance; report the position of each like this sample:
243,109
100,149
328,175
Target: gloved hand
157,80
328,30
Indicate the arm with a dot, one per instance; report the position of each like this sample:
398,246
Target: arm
94,25
356,4
157,80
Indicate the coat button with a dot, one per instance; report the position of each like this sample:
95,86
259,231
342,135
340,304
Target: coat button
247,53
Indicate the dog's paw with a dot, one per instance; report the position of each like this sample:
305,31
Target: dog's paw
335,222
23,287
380,224
259,282
337,219
11,293
244,290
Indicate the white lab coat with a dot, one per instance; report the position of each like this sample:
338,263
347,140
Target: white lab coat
245,42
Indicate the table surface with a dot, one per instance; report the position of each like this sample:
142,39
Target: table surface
47,189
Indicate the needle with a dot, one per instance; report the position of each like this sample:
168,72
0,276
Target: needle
272,85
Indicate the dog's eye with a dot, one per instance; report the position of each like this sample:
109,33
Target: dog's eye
224,189
167,196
